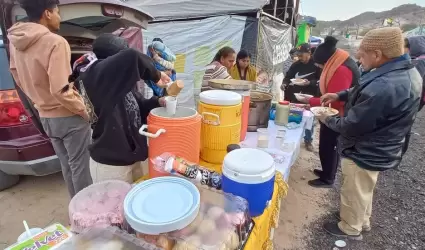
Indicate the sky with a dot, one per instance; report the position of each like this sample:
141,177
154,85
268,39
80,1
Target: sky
328,10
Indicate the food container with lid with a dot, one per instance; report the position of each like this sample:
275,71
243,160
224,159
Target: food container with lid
282,113
221,123
259,110
296,114
241,87
99,205
111,238
221,220
51,238
179,134
250,173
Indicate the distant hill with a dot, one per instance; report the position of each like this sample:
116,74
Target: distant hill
406,16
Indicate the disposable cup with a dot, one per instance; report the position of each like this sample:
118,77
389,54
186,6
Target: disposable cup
171,105
24,236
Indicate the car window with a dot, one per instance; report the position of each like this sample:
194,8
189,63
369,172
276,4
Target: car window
6,80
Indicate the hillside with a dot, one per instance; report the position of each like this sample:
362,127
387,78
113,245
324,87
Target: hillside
407,16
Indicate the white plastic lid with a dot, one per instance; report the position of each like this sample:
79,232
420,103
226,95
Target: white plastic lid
162,205
249,166
220,97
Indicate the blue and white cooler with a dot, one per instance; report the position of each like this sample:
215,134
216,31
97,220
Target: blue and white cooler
250,174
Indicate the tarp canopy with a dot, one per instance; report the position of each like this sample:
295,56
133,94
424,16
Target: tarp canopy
184,9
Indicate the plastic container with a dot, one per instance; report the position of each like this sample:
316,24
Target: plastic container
32,231
223,223
111,238
161,205
179,134
262,138
295,114
282,113
248,172
221,123
52,237
241,87
179,166
99,205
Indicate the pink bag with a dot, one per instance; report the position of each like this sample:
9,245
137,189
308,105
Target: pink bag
133,35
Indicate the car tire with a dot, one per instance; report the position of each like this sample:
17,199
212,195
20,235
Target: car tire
7,181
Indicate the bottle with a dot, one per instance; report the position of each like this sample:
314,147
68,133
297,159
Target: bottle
282,113
176,165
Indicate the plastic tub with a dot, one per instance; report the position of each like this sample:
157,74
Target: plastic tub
222,223
161,205
248,172
50,238
99,205
262,138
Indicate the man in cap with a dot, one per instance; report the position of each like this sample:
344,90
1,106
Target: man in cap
379,113
306,70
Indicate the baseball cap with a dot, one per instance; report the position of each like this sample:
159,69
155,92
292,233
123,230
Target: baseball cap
304,48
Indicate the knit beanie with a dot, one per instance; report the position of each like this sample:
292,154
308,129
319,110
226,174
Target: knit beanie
389,40
325,50
108,45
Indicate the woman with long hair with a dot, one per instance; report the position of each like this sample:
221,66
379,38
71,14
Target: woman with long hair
243,70
220,66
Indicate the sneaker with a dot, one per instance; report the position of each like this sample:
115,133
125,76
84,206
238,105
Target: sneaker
317,172
365,228
333,229
309,146
317,183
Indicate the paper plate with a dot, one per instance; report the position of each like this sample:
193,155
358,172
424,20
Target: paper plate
318,111
300,82
162,205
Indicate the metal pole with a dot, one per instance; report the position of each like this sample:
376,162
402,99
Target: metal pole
286,9
275,8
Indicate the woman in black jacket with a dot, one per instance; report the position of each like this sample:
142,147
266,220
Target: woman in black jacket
116,111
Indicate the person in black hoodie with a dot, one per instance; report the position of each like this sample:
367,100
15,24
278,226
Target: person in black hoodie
303,68
116,111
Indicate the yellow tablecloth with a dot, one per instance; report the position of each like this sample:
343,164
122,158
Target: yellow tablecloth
261,234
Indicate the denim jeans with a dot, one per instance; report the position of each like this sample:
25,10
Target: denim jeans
308,135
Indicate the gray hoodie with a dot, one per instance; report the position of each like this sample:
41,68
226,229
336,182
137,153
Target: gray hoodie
417,52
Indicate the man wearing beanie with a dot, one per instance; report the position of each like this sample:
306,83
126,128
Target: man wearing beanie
339,73
379,113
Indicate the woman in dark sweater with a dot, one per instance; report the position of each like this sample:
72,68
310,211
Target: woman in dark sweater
340,72
116,111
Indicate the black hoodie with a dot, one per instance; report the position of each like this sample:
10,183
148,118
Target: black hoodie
106,87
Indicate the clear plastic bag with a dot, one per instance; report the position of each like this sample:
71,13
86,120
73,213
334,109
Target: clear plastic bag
223,223
99,205
106,239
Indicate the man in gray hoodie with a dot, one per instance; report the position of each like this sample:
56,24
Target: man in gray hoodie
415,47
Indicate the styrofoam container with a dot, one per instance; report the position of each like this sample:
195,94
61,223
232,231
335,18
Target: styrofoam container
220,97
250,174
161,205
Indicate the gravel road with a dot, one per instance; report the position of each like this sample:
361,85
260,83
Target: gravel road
398,218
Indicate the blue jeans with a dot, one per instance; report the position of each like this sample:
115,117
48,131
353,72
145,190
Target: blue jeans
308,135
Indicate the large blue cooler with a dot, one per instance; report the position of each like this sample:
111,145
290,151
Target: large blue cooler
250,173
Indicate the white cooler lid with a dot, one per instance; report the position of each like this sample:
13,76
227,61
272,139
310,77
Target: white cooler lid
220,97
161,205
249,166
